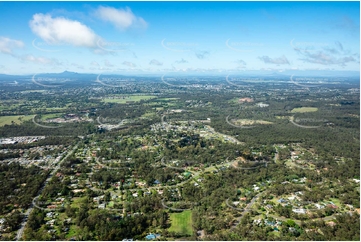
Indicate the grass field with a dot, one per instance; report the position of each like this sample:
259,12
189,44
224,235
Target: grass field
250,122
125,99
181,222
167,99
148,115
51,115
336,201
304,110
18,119
77,201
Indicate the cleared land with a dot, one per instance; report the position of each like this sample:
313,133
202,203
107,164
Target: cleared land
18,119
249,122
125,99
304,110
52,115
181,222
167,99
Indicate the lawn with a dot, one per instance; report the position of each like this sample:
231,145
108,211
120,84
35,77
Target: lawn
77,201
18,119
304,110
336,201
181,222
125,99
111,204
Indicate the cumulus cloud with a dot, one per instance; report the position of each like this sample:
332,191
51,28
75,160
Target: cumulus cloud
130,64
278,61
321,57
202,54
182,61
120,18
59,30
336,55
8,45
155,63
39,60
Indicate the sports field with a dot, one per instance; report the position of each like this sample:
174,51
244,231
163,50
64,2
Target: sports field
181,222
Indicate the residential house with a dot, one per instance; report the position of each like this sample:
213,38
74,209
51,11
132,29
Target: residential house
299,210
318,206
152,236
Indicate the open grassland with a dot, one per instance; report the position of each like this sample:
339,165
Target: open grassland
181,222
149,115
51,116
51,109
167,99
125,99
304,110
17,119
249,122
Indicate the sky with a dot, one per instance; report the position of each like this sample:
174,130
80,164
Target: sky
179,37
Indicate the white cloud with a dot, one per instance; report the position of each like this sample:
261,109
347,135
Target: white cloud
182,61
121,18
39,60
326,59
155,63
59,30
331,55
8,45
202,54
130,64
279,60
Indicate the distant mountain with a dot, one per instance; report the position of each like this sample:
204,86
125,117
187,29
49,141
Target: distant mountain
250,73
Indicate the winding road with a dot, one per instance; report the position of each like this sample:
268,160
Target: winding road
247,209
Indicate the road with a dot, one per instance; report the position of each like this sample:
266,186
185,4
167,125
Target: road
195,174
238,126
247,209
20,232
276,155
303,126
239,209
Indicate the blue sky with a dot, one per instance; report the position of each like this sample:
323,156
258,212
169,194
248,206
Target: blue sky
180,37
